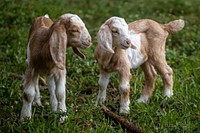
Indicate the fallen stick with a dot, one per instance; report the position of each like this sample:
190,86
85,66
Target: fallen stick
21,77
127,125
15,75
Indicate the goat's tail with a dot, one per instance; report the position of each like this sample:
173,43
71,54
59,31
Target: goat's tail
46,16
174,26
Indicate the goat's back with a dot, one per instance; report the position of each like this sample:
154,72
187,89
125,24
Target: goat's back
150,27
40,58
39,22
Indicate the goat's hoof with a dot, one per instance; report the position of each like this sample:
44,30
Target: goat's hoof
143,99
168,93
37,104
63,119
124,111
23,119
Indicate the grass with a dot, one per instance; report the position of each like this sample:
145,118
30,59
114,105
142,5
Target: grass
181,113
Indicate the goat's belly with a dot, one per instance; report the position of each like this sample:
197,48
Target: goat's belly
134,55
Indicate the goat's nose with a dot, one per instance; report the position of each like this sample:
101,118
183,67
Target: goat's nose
89,40
128,42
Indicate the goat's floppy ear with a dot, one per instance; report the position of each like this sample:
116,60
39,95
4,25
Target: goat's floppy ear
104,38
58,49
77,52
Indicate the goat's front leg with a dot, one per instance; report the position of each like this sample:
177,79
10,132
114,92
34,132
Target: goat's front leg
150,77
61,93
103,83
124,90
29,94
52,90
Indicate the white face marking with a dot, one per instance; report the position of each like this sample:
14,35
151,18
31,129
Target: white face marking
82,37
135,56
121,36
74,18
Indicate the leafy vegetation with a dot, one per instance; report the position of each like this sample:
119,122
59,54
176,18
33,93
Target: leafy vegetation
181,113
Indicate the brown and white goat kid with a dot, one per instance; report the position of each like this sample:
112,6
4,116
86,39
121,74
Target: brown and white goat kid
149,39
46,55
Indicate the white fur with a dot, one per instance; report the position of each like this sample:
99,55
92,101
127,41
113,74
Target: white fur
60,90
134,55
52,88
27,105
124,86
37,100
124,105
74,18
46,16
168,93
143,99
103,83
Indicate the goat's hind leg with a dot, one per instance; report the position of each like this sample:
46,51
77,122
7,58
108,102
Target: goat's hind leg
29,93
150,77
167,77
103,83
166,74
37,100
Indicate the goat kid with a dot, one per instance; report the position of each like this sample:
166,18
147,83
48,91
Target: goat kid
149,39
46,55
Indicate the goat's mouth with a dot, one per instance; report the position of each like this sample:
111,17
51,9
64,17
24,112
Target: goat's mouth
124,46
85,45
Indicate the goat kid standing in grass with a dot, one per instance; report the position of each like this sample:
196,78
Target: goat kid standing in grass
46,55
113,53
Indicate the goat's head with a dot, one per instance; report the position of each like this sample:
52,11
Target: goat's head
114,33
77,33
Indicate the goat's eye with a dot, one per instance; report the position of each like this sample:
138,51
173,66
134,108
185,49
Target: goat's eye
75,30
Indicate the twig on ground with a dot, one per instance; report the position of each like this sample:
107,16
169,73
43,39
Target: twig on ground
15,75
127,125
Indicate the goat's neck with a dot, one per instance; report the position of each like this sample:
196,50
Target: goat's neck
107,60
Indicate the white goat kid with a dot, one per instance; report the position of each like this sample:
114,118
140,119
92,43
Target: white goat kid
147,39
46,53
113,37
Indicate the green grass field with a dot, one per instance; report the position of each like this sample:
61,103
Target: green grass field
179,114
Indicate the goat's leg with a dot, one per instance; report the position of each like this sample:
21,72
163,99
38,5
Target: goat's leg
150,77
52,88
124,90
37,100
61,93
29,94
103,83
167,77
